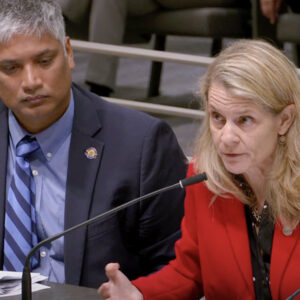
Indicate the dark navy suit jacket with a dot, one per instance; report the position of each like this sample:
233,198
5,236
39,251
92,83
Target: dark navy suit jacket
137,154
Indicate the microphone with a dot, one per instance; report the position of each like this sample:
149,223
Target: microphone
291,297
26,278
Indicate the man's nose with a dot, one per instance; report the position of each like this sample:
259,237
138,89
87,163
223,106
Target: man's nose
31,79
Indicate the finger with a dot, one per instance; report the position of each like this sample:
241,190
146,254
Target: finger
111,271
268,9
277,5
104,290
273,18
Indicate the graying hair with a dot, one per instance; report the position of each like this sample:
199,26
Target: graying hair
31,17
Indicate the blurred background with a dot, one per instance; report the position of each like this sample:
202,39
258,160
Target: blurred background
179,83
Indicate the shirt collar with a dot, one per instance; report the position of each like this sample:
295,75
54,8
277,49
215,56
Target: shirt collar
49,139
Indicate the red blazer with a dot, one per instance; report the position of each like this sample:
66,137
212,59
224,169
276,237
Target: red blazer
213,256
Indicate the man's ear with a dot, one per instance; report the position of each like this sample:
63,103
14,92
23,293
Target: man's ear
286,116
69,53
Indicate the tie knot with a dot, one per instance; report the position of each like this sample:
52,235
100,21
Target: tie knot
27,146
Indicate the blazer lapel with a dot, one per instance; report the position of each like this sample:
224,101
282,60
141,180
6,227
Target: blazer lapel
84,162
3,167
282,250
238,235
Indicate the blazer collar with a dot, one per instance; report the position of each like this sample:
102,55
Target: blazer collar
282,247
82,172
236,227
3,170
86,119
282,250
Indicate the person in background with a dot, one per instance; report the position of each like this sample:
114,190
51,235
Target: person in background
241,232
106,22
271,8
66,155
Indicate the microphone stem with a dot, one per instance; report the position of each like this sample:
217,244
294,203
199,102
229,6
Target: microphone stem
26,283
291,297
26,278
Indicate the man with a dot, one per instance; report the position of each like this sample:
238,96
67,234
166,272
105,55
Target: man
80,157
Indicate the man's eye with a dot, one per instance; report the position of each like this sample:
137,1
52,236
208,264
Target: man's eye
9,69
46,61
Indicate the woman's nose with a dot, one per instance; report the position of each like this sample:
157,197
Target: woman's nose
229,135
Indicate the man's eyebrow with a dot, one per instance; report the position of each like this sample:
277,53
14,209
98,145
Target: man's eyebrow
17,61
10,61
46,51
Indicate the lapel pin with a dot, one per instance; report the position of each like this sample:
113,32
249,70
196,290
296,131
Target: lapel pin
91,153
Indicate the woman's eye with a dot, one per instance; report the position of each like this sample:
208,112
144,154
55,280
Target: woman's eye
216,116
245,120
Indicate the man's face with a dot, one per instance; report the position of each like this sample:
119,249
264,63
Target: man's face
35,79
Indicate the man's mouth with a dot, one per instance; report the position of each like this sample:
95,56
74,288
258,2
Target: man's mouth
34,99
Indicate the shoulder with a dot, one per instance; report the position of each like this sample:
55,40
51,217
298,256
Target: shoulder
201,193
115,117
2,106
199,189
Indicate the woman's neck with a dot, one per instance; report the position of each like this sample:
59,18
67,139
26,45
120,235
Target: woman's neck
257,182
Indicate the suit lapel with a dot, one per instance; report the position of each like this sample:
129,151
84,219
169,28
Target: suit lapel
236,228
282,247
282,251
3,166
82,172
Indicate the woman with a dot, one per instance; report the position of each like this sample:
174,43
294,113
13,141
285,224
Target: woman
240,234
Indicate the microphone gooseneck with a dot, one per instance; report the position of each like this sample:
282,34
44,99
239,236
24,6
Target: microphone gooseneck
192,180
291,297
26,278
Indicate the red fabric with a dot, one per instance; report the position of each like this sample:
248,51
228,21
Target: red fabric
213,256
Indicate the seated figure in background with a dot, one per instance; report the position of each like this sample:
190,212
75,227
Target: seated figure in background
270,8
106,22
241,232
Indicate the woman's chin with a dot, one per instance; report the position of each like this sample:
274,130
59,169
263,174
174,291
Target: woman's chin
235,169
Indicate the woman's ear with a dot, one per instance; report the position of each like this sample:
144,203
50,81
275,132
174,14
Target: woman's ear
286,118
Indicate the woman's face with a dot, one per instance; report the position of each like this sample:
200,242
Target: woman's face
245,134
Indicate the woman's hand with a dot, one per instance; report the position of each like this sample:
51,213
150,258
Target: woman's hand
118,287
270,8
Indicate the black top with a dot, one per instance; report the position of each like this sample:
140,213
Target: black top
260,247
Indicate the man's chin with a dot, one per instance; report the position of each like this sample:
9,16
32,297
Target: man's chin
36,121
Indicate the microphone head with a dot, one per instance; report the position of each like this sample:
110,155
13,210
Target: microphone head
192,180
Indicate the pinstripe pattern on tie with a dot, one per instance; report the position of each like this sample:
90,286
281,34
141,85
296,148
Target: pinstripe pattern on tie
20,221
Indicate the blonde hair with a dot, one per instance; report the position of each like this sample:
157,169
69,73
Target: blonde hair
257,71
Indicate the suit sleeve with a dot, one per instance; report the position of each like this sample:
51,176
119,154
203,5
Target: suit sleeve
182,278
162,163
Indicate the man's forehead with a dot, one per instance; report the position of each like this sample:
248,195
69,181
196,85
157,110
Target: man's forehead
38,37
28,45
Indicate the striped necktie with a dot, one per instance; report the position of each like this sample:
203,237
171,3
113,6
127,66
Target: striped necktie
20,222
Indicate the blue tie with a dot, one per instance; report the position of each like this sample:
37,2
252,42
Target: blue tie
20,222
